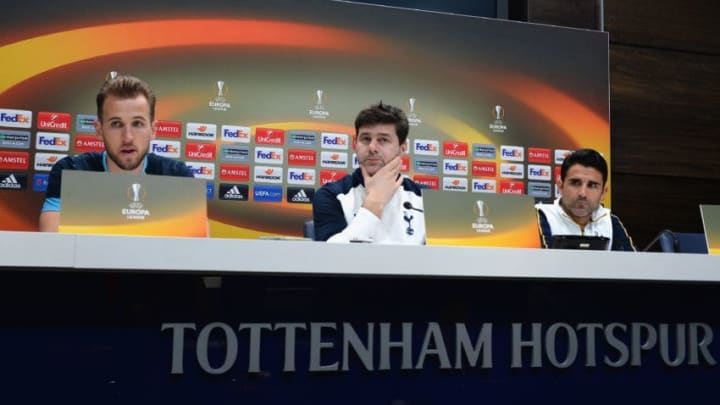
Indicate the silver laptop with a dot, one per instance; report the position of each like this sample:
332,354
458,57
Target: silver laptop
480,219
113,203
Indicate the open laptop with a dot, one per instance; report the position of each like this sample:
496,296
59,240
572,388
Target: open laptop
480,219
580,242
113,203
711,223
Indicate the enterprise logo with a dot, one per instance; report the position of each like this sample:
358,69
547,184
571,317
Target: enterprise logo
267,193
483,151
542,190
14,139
235,153
303,138
86,123
430,166
15,118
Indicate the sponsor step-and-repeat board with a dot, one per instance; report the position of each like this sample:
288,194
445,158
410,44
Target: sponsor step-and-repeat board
259,100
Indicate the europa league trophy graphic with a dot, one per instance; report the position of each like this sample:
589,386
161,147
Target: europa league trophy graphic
498,126
480,210
318,111
135,193
219,102
412,116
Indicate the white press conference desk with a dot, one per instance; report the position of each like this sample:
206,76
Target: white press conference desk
283,257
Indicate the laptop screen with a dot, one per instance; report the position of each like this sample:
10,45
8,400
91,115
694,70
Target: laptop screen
114,203
480,219
579,242
711,223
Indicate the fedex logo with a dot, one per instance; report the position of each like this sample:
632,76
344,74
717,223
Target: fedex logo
205,171
512,170
170,149
235,172
235,134
301,176
334,159
455,149
201,132
52,141
200,151
539,155
15,118
560,155
426,147
329,176
267,174
512,153
54,121
484,186
168,129
331,140
455,184
484,169
356,162
302,157
89,143
268,136
512,187
451,166
431,182
539,172
269,155
14,160
45,161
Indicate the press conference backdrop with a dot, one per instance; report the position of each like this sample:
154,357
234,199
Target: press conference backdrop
259,97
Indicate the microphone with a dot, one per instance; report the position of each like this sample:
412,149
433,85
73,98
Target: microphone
409,206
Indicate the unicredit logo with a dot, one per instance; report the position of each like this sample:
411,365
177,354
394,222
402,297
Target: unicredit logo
54,121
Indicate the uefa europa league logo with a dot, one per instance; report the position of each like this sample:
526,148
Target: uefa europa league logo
219,102
412,117
411,101
499,113
319,94
318,111
111,76
136,192
221,88
481,211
